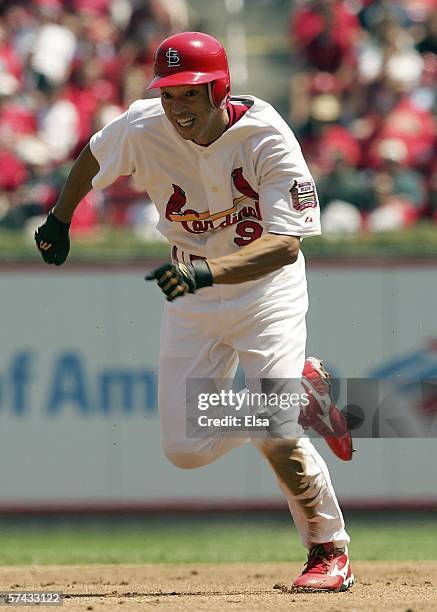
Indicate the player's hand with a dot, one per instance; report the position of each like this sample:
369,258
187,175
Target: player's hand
53,241
179,278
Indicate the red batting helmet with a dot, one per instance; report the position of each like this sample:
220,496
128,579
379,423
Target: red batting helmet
191,58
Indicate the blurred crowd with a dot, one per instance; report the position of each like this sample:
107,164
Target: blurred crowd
363,104
67,67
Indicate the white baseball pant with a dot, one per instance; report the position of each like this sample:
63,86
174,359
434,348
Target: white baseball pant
261,325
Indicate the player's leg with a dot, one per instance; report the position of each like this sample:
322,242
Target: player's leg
191,348
301,470
304,479
279,353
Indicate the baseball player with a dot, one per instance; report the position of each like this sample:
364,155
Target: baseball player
235,198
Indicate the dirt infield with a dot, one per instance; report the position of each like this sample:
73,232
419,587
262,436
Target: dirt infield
381,586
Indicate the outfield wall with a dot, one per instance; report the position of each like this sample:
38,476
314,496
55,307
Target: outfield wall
78,371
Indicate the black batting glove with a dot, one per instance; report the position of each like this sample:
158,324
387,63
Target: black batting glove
179,278
53,241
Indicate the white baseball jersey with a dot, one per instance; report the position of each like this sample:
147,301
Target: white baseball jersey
213,200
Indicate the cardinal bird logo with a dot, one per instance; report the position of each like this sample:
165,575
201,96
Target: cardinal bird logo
242,185
175,204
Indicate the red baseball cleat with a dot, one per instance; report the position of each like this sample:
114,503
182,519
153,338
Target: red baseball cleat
322,414
327,569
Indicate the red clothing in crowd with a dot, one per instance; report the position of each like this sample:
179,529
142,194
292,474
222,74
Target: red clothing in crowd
412,126
326,37
335,141
16,119
10,61
13,173
415,127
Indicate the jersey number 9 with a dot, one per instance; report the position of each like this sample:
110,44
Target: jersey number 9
248,232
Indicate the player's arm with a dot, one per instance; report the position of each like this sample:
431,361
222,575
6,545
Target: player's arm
102,161
77,185
260,257
52,237
251,262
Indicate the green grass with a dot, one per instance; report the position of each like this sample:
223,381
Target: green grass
105,245
120,245
203,539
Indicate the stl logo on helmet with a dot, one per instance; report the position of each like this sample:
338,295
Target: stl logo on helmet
173,58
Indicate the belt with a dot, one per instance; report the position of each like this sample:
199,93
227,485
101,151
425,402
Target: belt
183,256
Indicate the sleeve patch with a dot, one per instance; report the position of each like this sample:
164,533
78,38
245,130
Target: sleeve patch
303,195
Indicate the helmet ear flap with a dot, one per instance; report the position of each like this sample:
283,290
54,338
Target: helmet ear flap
219,92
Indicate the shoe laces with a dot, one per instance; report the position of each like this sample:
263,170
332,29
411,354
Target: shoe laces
318,560
319,378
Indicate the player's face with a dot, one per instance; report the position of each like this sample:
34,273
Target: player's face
191,113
